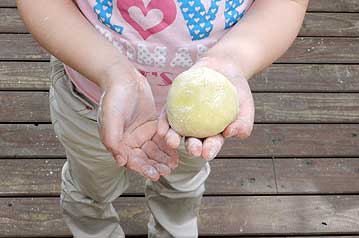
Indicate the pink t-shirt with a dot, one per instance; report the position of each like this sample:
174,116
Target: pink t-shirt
162,38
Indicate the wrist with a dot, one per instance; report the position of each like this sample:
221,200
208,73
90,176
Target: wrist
120,74
232,71
222,65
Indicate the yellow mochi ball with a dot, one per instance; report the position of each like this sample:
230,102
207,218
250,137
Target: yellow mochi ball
201,103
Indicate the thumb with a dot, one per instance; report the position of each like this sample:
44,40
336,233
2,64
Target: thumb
243,125
111,125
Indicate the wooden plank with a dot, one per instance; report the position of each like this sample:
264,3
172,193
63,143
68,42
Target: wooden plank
29,140
331,236
20,47
270,107
317,5
30,106
256,236
315,24
307,78
248,215
267,140
10,21
330,24
317,175
26,75
304,50
42,177
277,78
291,140
334,5
7,3
322,50
309,108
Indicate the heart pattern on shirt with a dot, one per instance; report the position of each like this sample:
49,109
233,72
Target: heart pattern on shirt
104,11
231,14
135,13
153,17
198,20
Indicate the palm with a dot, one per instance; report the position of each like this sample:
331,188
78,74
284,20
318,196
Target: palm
128,124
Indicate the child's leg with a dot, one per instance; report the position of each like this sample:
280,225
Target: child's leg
90,178
174,200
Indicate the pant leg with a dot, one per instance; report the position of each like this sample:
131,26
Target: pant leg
175,199
90,178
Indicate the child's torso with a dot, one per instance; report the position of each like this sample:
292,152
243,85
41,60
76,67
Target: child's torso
162,38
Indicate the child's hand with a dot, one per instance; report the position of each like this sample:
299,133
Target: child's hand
242,127
127,125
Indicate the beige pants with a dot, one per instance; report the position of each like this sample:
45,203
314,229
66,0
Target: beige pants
91,181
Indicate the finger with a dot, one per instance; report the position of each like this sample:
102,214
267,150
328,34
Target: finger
120,162
141,134
163,125
212,146
161,168
154,153
139,162
242,127
164,170
172,139
193,146
172,153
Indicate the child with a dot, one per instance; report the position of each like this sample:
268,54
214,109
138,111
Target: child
115,61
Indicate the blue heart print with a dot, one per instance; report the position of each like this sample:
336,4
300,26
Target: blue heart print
103,10
198,21
231,14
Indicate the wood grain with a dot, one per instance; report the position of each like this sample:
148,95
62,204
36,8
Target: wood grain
10,21
7,3
329,175
29,140
334,5
270,107
306,108
25,76
304,50
20,47
307,78
315,24
248,215
42,177
277,78
330,24
267,140
322,50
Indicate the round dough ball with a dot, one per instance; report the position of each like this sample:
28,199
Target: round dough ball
201,103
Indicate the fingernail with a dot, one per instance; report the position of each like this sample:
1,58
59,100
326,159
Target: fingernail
195,150
151,172
212,154
165,170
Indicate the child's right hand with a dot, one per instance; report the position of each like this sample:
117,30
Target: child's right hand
128,124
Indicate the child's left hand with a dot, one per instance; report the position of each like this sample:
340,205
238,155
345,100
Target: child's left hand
242,127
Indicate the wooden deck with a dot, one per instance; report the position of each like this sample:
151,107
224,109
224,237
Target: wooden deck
297,175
